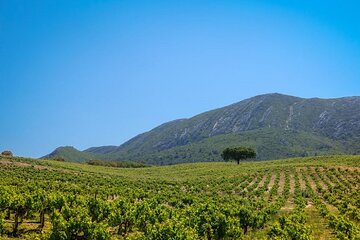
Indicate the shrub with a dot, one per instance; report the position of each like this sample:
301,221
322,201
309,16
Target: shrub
59,159
117,164
292,227
7,153
170,230
74,223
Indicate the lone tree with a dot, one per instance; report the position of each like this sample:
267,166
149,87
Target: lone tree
238,153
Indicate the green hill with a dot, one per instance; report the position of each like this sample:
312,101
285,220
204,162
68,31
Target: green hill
71,154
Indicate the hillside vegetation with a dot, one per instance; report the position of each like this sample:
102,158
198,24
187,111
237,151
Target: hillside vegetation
298,198
278,126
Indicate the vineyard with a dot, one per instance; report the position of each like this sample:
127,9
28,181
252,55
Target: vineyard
300,198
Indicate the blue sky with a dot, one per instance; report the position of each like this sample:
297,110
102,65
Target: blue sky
91,73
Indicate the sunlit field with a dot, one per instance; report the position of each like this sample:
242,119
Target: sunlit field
300,198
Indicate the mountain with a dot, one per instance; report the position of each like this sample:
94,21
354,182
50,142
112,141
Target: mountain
276,125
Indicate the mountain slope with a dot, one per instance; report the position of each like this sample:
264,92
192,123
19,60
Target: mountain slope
269,144
276,125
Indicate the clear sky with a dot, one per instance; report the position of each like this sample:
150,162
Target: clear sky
95,72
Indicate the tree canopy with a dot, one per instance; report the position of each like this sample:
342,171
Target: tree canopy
238,153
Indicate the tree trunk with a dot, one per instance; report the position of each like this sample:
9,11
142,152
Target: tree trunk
125,228
16,223
208,234
120,229
238,161
42,219
8,214
245,229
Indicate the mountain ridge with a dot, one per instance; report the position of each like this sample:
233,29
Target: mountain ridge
335,122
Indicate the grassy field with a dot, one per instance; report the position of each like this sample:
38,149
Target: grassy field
299,198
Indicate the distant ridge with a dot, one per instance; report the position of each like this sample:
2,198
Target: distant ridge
277,125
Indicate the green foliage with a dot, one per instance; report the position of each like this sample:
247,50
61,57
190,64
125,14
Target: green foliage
22,205
98,210
344,229
246,218
210,222
74,223
189,201
123,216
118,164
59,159
291,227
238,153
170,230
